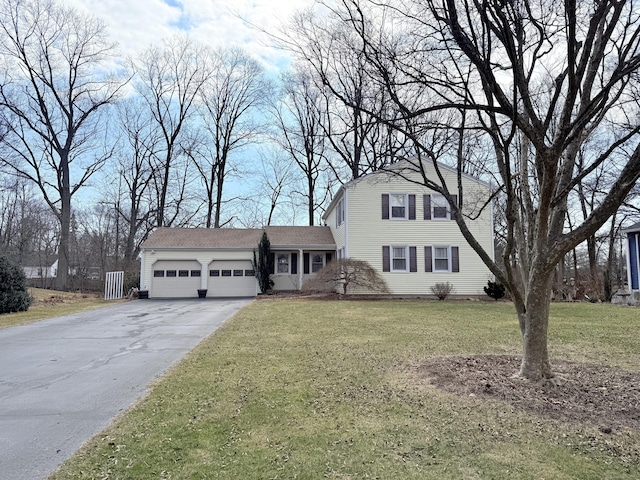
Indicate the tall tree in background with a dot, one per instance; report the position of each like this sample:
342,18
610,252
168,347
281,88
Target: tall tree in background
52,93
538,79
351,104
170,78
132,198
231,99
299,114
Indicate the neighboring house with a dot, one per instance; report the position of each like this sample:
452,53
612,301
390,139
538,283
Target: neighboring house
633,260
177,262
401,228
405,230
40,270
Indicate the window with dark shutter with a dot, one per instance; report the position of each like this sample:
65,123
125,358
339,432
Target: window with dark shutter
386,259
294,264
455,259
328,257
306,263
428,261
412,207
385,206
426,206
413,259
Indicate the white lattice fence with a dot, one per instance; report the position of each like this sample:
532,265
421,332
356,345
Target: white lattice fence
114,286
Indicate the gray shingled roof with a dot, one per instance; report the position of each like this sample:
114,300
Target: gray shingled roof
239,238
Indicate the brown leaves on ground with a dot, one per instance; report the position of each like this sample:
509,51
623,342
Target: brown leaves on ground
597,395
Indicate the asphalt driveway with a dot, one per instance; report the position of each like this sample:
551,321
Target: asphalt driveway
63,380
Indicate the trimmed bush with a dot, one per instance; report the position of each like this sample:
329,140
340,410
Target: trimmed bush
14,296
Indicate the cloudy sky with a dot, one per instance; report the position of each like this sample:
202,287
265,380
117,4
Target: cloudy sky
135,24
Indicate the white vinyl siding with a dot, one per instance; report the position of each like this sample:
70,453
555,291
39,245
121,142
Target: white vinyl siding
369,233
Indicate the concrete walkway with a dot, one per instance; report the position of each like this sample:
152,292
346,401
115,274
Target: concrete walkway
63,380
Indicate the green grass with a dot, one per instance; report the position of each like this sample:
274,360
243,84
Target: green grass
328,389
52,303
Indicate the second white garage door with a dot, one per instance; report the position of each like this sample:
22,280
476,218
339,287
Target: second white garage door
231,278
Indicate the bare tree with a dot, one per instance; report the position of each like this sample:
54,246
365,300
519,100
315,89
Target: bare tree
169,79
52,92
131,196
351,103
538,79
298,114
231,98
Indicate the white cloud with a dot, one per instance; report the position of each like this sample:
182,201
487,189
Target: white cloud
135,24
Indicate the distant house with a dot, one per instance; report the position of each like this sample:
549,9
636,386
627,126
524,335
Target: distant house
40,270
401,228
633,260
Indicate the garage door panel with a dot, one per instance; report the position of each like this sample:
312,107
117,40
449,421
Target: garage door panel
176,279
229,278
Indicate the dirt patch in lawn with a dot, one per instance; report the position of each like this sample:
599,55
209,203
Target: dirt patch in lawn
605,397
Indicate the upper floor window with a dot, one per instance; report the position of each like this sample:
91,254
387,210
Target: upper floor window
398,205
440,207
340,212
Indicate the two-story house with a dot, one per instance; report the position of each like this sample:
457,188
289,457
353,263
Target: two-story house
388,219
406,231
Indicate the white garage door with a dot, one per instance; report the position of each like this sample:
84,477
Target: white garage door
175,279
229,278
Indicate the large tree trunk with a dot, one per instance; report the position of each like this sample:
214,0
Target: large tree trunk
535,359
62,275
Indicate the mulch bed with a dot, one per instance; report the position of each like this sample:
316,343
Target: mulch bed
605,397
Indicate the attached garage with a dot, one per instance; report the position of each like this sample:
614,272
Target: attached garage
178,262
231,278
175,279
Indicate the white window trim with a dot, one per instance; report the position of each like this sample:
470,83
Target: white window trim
433,258
406,206
288,272
406,259
447,217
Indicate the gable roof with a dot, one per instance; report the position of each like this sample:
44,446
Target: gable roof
395,169
240,238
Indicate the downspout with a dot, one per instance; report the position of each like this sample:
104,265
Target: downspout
143,285
346,223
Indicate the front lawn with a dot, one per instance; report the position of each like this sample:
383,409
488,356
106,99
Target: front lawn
52,303
313,389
